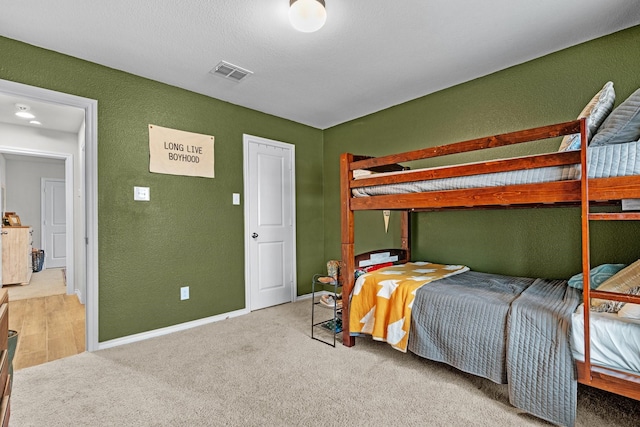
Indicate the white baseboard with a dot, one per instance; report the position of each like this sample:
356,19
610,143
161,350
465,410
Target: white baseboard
170,329
79,295
305,296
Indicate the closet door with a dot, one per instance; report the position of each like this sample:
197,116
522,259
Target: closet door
269,222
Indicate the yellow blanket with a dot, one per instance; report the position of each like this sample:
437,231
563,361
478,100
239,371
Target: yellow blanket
381,301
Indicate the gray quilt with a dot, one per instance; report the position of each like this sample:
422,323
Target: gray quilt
506,329
469,333
541,373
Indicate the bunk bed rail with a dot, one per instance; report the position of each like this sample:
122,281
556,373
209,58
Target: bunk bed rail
526,194
518,137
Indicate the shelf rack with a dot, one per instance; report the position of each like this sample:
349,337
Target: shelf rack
332,325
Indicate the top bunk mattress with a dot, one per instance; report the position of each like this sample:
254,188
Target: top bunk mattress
602,162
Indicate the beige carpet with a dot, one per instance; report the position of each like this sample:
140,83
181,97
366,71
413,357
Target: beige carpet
44,283
263,369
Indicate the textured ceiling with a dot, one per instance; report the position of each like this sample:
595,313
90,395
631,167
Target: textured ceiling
370,55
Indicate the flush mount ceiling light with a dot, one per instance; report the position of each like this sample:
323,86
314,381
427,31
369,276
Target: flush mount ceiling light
307,15
23,111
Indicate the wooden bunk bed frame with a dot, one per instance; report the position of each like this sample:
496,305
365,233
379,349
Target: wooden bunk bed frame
584,193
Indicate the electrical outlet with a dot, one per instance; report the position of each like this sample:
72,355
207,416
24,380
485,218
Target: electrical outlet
184,293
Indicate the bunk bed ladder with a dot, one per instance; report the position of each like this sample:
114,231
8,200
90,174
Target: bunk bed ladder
593,375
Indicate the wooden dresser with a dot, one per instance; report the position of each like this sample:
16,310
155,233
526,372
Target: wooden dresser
5,384
17,244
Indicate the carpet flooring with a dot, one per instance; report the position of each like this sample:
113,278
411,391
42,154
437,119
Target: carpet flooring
263,369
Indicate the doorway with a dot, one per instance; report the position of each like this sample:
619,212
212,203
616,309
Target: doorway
45,310
84,275
270,252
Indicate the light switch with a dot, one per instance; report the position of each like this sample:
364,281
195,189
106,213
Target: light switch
236,198
141,194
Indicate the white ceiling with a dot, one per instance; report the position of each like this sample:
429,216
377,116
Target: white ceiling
370,55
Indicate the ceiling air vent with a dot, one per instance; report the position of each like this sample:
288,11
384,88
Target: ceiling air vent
230,71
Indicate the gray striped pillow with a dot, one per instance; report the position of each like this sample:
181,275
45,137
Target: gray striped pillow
622,125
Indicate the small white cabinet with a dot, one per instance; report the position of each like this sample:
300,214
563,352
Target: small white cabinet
17,245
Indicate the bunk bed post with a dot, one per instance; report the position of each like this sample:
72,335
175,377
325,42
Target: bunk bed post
586,261
405,224
347,238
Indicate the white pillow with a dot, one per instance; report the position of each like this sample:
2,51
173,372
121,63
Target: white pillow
596,112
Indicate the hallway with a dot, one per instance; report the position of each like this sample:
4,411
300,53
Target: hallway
49,326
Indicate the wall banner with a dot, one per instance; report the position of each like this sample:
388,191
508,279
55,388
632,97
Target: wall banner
176,152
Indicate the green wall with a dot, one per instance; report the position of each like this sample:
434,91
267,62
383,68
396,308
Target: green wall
551,89
190,234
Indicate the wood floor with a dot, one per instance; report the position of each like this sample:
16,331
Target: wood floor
49,328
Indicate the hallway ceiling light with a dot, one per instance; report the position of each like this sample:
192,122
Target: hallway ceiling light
35,122
307,15
23,111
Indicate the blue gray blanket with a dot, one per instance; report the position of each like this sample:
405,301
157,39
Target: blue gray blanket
511,330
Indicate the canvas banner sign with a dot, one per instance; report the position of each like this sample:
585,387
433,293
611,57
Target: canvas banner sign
176,152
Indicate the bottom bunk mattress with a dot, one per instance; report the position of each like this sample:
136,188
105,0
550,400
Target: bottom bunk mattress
615,340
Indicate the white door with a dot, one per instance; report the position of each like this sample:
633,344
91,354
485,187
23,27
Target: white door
269,222
54,223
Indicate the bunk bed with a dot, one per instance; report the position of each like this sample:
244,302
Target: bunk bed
556,179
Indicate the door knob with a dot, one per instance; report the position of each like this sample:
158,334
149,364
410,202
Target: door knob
254,235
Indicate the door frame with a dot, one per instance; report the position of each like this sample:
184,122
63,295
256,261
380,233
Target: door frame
43,235
246,138
90,107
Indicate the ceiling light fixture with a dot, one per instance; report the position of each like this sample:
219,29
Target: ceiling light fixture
35,122
23,111
307,15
